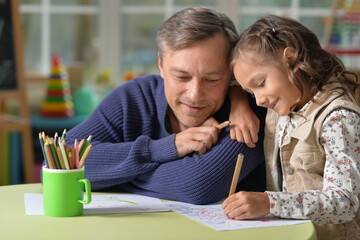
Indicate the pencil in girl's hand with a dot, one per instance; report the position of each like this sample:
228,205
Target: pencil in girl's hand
236,175
222,125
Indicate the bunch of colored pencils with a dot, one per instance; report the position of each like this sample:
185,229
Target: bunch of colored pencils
58,155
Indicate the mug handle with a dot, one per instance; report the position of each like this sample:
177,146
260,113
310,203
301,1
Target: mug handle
87,191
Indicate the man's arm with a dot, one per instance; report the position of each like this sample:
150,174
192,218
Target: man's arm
202,179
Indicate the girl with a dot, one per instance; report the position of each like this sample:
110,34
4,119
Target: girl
312,144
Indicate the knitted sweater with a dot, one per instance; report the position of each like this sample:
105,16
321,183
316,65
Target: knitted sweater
134,152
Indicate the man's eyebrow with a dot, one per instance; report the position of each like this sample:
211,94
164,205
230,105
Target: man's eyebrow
215,73
220,73
178,70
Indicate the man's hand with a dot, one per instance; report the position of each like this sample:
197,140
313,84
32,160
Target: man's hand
197,139
245,124
246,205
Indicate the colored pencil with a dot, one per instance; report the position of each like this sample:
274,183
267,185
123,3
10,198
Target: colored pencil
85,155
63,136
54,154
49,156
43,151
63,153
61,160
87,143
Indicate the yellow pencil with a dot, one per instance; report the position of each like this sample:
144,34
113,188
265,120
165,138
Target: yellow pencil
222,125
236,175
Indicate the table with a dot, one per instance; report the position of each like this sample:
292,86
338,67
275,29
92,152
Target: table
14,224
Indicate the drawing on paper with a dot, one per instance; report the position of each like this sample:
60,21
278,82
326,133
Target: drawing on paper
203,214
213,216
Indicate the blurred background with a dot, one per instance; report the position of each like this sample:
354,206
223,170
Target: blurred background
119,35
104,43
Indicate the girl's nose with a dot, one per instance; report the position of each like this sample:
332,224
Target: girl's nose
260,101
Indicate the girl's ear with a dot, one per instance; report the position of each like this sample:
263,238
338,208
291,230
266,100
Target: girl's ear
289,54
289,57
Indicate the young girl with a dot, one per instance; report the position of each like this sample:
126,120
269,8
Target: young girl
312,144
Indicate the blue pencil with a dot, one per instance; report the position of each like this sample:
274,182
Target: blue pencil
43,151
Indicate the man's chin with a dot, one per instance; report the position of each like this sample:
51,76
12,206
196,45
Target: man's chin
192,122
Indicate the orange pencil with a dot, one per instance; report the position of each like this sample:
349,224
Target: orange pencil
70,158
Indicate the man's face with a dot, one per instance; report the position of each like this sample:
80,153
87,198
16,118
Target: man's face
196,80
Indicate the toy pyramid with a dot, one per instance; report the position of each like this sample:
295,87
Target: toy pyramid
58,102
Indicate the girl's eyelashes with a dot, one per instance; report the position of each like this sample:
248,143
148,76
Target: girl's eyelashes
261,84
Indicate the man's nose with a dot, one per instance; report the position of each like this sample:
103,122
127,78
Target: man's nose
195,90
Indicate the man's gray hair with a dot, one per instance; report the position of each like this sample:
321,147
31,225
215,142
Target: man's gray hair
193,25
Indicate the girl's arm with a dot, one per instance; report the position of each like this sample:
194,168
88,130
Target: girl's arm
244,125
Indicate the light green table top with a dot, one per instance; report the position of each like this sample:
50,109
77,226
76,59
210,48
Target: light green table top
14,224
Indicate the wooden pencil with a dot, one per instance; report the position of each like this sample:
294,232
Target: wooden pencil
86,144
63,153
236,175
60,157
222,125
85,155
49,156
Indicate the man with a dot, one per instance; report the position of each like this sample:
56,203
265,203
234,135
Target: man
156,135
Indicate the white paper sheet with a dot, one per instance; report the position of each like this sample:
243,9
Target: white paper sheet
106,203
213,216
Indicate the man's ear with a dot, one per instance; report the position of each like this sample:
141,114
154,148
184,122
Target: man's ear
160,64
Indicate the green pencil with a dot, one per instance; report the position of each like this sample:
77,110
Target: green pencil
53,150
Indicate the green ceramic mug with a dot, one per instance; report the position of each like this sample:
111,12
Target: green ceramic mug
63,192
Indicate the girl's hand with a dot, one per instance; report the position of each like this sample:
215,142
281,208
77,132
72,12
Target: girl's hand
245,124
246,205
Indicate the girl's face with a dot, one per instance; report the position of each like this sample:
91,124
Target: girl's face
270,86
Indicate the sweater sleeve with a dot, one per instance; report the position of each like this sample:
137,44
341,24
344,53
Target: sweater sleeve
202,179
126,140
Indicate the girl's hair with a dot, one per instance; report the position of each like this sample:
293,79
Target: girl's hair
265,40
192,25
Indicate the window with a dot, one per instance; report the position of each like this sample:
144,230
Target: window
119,35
